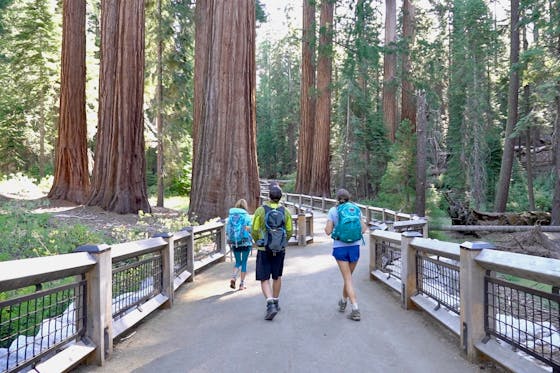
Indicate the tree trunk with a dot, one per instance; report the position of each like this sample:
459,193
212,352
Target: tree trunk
389,68
320,173
71,176
421,157
555,218
225,154
408,107
119,172
159,103
307,99
502,189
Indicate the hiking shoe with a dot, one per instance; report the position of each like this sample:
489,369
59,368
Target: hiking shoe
271,311
232,284
277,305
354,315
342,305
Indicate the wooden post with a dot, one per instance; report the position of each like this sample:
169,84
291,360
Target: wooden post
168,268
408,269
222,241
190,252
99,315
372,255
472,297
301,229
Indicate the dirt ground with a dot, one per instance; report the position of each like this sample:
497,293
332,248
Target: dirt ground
168,220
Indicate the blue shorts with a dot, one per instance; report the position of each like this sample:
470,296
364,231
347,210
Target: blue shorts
347,253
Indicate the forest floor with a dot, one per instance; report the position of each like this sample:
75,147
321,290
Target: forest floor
168,220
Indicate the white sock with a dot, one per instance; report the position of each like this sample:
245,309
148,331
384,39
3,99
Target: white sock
355,306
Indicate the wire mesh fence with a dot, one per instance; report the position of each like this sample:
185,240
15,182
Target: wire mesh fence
438,278
35,325
526,318
207,242
388,258
136,280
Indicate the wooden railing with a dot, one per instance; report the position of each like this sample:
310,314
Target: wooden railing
486,297
78,303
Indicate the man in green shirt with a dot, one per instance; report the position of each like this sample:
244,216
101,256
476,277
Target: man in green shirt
270,263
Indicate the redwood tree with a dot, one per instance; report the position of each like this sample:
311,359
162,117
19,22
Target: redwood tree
320,172
119,172
224,134
389,69
307,99
408,107
71,176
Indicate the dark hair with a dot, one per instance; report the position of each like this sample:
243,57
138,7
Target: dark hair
275,193
342,195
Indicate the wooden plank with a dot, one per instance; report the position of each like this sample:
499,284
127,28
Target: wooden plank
19,273
392,282
133,317
66,359
505,356
180,279
441,314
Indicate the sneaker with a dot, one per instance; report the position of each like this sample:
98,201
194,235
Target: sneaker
354,315
242,286
271,311
277,305
342,305
232,284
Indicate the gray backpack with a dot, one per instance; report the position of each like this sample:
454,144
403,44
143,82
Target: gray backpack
275,222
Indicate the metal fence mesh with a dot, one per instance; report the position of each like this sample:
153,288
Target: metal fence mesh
207,243
388,258
526,318
180,256
438,278
35,325
136,280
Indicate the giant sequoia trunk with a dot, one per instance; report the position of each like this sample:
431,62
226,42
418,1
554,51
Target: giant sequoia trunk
224,134
119,172
320,173
71,176
307,99
408,107
389,69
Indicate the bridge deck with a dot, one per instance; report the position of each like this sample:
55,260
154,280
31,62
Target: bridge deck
212,328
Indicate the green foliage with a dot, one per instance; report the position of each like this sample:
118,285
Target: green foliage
278,107
29,74
398,182
29,234
174,27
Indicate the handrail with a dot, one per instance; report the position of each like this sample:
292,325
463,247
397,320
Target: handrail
123,251
530,267
20,273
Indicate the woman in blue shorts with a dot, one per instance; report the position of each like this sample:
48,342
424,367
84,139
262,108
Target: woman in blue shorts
346,255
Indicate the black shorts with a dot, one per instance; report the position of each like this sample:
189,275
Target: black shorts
269,264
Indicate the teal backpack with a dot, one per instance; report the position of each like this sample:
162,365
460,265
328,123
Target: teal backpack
349,226
236,233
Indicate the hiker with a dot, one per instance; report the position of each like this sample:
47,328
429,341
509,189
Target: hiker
345,225
238,228
272,228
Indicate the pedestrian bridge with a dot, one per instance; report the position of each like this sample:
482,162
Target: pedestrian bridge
164,303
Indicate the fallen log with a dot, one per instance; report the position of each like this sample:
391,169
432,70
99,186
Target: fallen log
494,228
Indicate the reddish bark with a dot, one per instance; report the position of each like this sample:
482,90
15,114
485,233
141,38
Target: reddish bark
71,176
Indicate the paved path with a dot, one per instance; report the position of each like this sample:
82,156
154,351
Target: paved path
212,328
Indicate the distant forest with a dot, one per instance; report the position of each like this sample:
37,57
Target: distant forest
398,105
